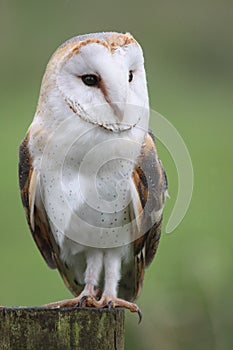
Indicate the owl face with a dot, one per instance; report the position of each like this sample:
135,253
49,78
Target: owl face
100,78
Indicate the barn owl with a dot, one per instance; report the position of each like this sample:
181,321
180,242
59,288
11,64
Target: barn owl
91,182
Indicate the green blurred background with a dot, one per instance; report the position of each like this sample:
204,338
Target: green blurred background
188,48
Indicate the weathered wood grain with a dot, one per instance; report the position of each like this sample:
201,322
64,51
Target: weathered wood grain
61,329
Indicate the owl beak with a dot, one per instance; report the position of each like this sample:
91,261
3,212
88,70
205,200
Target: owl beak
118,111
111,95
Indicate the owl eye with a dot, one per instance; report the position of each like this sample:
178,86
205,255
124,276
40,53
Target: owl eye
130,76
90,79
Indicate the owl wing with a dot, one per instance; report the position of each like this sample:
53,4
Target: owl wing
37,218
151,185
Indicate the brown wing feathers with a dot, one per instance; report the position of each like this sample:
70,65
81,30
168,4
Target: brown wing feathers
151,183
36,220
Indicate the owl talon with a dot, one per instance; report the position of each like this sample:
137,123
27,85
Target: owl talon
110,304
81,301
116,302
139,315
88,294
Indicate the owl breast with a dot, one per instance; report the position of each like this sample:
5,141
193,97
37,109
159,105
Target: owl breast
87,188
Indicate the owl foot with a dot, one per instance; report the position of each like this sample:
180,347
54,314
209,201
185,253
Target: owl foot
112,302
88,293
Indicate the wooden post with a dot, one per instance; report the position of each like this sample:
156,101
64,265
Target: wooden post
61,329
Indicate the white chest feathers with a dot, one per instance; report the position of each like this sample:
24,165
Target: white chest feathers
86,185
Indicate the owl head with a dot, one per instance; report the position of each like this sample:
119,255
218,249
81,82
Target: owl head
99,78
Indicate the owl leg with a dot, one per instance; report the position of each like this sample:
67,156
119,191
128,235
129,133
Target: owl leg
94,260
112,267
